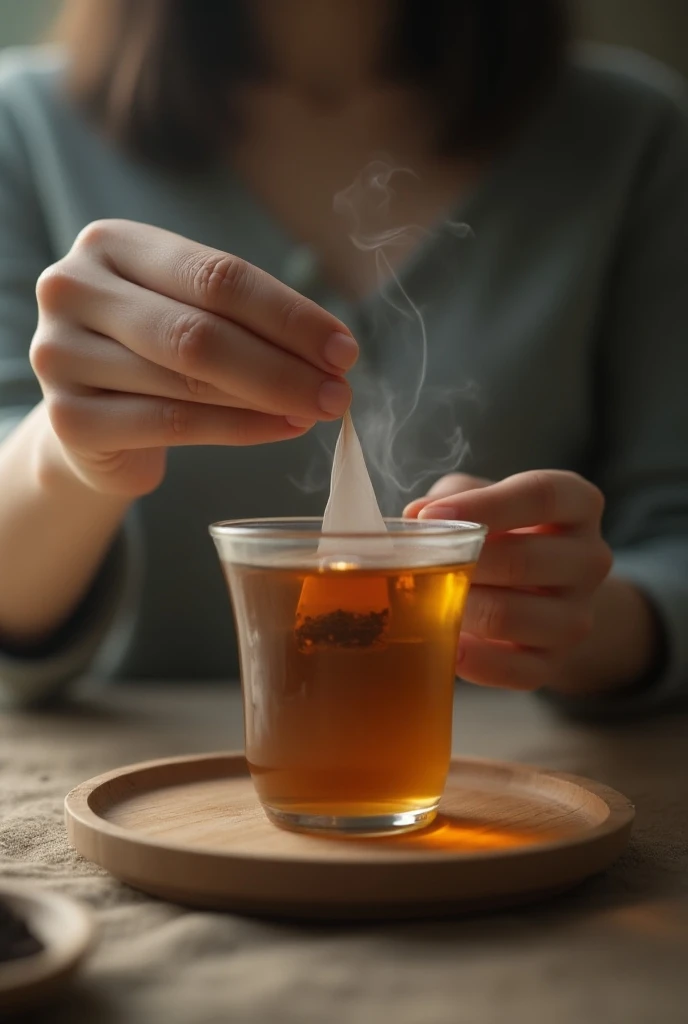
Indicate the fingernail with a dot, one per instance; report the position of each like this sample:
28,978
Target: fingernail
412,509
437,512
299,422
341,351
334,397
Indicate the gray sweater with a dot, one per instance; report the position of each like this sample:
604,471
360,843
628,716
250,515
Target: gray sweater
558,338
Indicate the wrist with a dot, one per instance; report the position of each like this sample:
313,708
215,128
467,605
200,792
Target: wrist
623,649
54,474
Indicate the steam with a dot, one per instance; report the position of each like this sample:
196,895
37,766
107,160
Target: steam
392,407
390,417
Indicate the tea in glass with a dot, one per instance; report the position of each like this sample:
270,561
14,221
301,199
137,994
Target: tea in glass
348,667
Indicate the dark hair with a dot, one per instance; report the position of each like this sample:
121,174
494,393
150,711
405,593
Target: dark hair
157,74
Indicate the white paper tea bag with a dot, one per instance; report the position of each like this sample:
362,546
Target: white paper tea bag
352,506
340,607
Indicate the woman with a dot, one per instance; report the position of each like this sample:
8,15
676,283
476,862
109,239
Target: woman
172,169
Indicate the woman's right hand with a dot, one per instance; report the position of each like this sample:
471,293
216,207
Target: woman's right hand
146,340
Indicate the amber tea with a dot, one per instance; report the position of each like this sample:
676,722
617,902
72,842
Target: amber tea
348,667
349,687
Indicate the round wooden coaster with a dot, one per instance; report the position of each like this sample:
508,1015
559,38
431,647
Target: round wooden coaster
191,830
64,929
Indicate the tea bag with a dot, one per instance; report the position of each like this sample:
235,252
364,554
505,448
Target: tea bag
340,607
352,506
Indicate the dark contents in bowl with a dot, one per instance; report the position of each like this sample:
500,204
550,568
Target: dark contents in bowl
16,941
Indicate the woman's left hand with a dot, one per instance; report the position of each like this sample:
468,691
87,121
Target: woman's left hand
531,602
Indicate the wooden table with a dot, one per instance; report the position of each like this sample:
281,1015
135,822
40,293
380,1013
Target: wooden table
615,951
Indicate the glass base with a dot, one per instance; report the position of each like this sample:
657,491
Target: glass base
369,825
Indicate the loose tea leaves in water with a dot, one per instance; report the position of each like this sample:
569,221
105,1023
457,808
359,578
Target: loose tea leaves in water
341,628
340,606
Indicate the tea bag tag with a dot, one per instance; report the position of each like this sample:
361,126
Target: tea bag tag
352,506
340,606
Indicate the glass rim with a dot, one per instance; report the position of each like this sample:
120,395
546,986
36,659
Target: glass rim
277,528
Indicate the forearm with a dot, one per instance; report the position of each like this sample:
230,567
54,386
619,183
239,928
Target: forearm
621,648
54,532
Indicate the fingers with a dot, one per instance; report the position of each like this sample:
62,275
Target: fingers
543,559
113,422
503,665
203,347
530,620
538,497
557,561
223,284
456,483
447,486
73,365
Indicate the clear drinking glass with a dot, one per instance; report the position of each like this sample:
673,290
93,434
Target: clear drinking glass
348,650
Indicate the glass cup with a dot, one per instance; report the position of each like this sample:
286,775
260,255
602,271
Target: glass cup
348,650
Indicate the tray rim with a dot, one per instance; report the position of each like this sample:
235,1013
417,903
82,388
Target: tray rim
79,812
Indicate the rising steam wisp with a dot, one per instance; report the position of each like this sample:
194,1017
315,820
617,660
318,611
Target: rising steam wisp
384,415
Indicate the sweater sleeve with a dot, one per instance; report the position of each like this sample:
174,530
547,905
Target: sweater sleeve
643,407
31,675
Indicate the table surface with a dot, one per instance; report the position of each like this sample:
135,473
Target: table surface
613,950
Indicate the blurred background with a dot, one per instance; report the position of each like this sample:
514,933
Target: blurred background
658,27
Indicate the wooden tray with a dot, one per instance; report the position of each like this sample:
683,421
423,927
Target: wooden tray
66,931
191,830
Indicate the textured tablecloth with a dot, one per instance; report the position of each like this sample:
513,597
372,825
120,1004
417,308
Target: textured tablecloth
615,951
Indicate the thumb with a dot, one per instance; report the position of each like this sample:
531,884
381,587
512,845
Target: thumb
453,483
